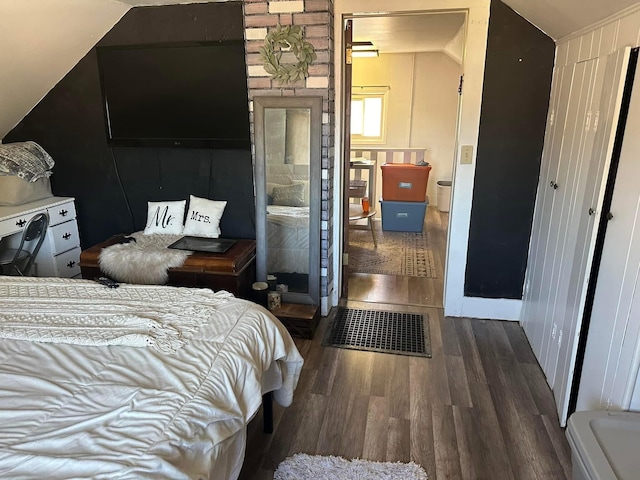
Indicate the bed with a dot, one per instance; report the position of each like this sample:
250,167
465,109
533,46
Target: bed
139,381
288,239
288,218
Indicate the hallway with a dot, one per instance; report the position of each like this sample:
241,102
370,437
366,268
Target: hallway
480,408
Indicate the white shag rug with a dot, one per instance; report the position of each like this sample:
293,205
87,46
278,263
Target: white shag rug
146,261
316,467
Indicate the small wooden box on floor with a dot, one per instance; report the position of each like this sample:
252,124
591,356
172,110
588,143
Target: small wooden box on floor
233,271
301,320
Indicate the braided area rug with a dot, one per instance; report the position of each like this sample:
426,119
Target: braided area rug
398,253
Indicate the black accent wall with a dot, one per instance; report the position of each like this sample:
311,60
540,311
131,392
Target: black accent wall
112,185
515,99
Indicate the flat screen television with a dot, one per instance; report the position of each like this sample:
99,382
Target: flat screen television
176,95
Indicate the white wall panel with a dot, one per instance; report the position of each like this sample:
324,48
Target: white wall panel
608,38
611,356
586,42
573,51
627,35
563,237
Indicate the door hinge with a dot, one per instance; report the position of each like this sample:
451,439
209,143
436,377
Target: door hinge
460,84
348,56
345,259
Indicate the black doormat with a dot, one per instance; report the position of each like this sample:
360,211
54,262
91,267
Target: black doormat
379,331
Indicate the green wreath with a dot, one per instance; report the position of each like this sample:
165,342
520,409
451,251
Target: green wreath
288,38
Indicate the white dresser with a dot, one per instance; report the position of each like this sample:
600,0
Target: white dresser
59,255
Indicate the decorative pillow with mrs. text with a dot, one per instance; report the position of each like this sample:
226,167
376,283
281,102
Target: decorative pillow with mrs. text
203,217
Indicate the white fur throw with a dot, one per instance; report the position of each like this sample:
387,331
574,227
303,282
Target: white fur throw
145,261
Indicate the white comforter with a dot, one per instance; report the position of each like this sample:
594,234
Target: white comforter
74,411
288,239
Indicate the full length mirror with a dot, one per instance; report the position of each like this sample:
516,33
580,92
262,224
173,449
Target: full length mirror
288,132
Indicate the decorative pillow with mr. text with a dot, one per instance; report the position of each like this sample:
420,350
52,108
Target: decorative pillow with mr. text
203,217
165,217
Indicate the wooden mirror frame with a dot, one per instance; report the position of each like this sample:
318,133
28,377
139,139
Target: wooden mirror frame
314,104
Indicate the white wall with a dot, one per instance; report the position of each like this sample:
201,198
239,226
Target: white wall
455,303
422,106
42,41
434,113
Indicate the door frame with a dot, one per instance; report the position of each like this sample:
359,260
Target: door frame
474,52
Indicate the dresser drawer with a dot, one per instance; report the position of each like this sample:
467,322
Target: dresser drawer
15,224
62,213
65,236
68,263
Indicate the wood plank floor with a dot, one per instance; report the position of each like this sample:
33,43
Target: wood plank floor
480,408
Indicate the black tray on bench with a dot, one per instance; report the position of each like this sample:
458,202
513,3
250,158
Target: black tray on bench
203,244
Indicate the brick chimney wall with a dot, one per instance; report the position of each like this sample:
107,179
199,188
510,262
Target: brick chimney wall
316,19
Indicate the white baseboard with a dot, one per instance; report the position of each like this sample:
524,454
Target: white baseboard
491,308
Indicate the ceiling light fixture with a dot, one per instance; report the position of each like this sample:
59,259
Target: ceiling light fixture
362,45
365,53
363,49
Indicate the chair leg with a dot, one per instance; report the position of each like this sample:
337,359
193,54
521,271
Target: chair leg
373,232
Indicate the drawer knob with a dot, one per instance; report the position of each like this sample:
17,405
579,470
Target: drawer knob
21,223
71,264
66,236
63,213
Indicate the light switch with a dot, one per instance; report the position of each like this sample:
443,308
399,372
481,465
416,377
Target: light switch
466,154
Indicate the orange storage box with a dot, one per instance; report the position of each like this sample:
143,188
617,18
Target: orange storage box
404,182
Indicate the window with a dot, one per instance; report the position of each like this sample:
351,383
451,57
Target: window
368,114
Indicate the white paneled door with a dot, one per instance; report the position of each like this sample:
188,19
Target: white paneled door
612,354
536,290
582,122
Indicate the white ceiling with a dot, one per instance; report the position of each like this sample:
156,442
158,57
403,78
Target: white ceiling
557,18
409,33
66,29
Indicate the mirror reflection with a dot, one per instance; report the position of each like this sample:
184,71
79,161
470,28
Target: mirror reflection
288,143
287,175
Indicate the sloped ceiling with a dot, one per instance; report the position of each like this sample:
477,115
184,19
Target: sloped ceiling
559,18
43,39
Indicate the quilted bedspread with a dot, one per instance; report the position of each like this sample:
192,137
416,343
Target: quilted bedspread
120,411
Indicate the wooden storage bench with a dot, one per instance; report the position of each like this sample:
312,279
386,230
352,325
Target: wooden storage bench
301,320
233,271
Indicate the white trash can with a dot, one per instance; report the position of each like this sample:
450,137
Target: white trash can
444,195
604,445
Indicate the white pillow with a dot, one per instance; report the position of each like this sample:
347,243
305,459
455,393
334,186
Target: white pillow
165,217
289,195
203,217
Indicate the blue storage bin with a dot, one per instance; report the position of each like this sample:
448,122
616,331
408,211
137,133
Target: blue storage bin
403,216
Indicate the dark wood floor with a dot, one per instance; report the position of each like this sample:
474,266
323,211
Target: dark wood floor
403,290
480,408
